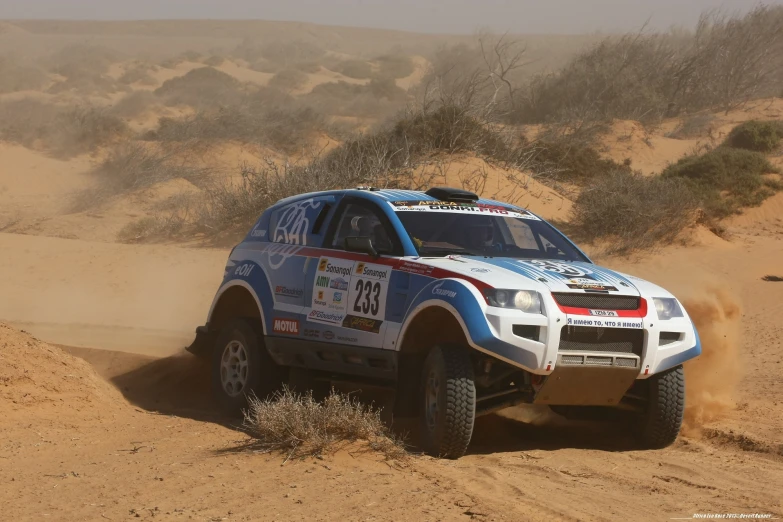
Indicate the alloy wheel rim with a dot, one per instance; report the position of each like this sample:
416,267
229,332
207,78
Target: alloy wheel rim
234,368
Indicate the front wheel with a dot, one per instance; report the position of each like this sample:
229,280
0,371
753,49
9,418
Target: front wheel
660,423
241,366
449,402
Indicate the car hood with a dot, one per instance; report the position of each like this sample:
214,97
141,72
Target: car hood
538,274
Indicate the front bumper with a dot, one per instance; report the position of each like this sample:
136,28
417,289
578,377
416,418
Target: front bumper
533,341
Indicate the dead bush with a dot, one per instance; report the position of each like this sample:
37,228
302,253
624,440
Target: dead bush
308,67
631,212
202,88
299,426
644,76
286,128
134,104
214,61
760,136
571,161
694,126
354,69
132,166
78,60
394,66
58,130
15,76
377,99
725,179
138,73
288,80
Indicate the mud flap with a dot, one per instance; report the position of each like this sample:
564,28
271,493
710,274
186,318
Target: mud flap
586,385
204,342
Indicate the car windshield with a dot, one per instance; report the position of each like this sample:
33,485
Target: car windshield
512,234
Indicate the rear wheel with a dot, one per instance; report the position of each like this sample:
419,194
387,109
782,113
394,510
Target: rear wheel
448,395
660,423
241,366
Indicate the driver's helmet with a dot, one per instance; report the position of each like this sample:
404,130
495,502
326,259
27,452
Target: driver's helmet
478,230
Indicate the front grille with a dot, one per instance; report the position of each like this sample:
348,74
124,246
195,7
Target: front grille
597,301
594,339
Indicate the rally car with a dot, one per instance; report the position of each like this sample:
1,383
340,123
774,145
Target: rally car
459,306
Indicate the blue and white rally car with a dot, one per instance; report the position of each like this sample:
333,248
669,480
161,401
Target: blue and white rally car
461,306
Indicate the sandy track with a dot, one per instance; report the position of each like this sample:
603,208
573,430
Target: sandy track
161,451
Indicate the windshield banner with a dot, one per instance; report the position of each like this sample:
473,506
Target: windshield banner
461,208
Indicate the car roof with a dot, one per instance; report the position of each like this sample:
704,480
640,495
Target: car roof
388,195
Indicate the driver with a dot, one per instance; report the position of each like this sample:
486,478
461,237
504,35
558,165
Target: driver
479,232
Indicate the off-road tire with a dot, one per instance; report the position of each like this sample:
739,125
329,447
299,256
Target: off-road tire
660,424
263,377
447,433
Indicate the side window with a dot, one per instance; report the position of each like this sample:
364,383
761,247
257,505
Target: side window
362,221
295,223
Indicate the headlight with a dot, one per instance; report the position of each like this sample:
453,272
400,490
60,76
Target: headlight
525,300
667,308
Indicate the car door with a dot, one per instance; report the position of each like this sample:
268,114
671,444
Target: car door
350,290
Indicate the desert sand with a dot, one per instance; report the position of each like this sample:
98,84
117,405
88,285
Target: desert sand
105,417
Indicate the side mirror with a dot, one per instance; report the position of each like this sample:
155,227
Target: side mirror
359,244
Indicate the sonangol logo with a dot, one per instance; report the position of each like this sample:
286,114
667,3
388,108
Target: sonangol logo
286,326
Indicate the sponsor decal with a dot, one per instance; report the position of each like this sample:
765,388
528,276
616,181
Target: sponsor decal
346,339
464,208
337,297
605,323
322,281
565,269
604,313
288,292
334,269
365,324
328,335
321,295
292,223
319,316
359,268
311,333
322,264
285,326
338,283
437,290
480,270
258,232
590,284
244,270
416,268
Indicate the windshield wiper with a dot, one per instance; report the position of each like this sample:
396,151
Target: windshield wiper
438,252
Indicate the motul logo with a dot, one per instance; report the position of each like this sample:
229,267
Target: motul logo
286,326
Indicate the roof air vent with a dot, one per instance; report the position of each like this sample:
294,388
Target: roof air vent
452,194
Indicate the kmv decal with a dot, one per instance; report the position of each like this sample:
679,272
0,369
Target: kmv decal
285,326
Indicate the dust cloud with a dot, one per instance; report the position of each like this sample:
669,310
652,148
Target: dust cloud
712,378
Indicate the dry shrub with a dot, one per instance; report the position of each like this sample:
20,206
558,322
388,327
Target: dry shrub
377,99
15,76
632,211
283,53
723,63
694,126
214,61
132,166
288,80
760,136
299,426
138,73
394,66
725,179
61,131
283,128
568,160
308,67
202,87
77,60
354,69
134,104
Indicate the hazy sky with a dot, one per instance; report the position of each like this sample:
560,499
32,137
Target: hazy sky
440,16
